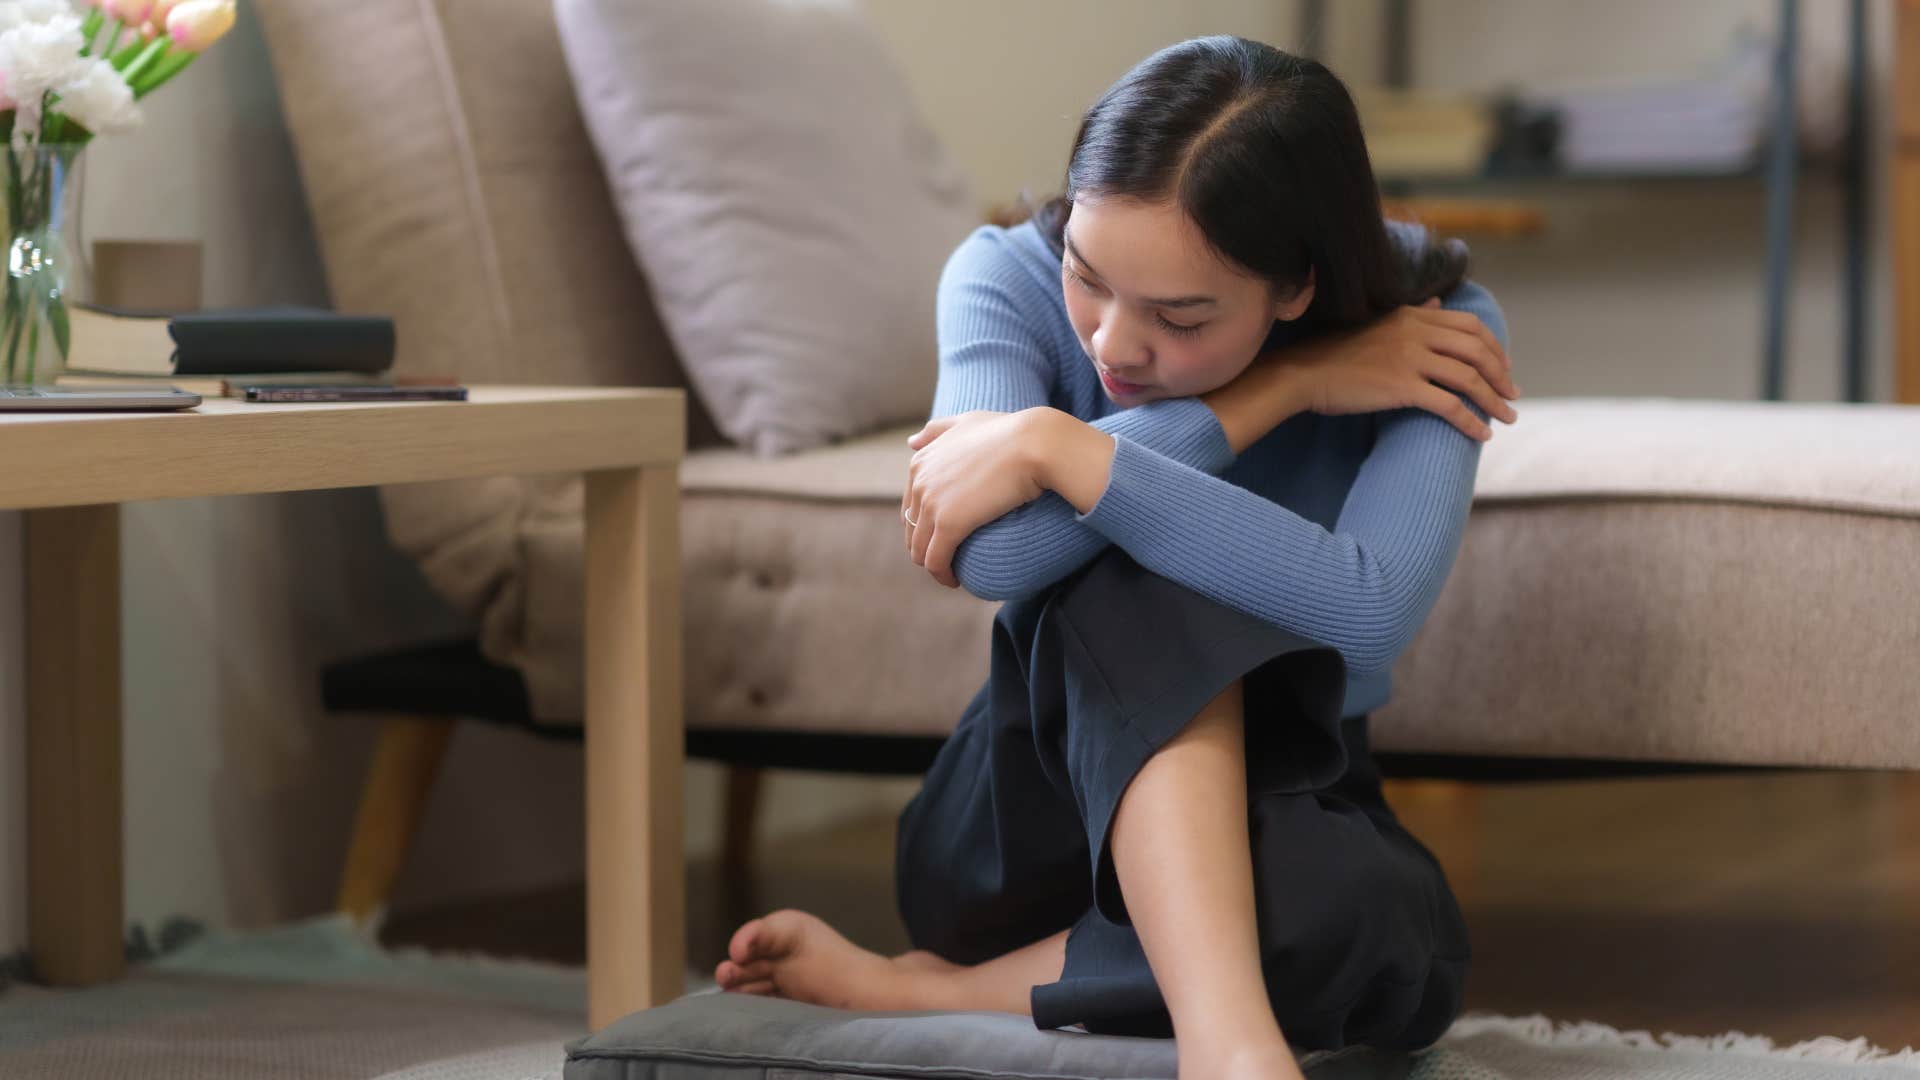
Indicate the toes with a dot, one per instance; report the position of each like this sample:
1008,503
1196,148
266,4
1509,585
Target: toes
763,988
729,974
757,971
770,937
740,948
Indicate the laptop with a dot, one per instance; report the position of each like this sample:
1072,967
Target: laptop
108,398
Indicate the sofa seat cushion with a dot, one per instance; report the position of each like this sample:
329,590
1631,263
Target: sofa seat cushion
1641,579
802,610
1669,580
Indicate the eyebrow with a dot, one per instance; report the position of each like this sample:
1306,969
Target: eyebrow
1170,302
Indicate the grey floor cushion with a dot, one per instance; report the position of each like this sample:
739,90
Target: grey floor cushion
746,1037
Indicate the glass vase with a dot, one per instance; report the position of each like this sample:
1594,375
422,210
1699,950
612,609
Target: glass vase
40,189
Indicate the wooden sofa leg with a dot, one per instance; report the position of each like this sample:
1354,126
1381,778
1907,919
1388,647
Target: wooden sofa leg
392,800
743,810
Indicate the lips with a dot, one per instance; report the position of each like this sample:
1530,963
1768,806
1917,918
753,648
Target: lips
1120,387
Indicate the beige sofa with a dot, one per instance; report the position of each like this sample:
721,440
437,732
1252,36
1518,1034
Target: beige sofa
1640,579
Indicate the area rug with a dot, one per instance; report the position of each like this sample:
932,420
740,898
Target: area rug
320,1000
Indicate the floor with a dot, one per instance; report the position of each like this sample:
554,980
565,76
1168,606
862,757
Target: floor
1785,904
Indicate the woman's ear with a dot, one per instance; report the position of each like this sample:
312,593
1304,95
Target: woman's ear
1295,305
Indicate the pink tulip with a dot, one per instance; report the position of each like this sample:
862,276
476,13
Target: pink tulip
196,24
130,12
161,9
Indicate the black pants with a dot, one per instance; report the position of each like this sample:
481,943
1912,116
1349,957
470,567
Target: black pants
1361,940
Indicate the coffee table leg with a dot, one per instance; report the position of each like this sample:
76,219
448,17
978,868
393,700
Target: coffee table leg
635,749
76,896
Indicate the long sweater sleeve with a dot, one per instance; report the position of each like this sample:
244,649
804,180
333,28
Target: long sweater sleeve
993,355
1364,586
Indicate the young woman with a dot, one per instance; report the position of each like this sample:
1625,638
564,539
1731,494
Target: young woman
1210,426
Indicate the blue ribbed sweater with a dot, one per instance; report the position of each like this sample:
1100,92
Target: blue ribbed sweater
1338,528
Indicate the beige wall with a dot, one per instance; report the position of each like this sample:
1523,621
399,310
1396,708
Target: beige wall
1651,289
239,791
1003,82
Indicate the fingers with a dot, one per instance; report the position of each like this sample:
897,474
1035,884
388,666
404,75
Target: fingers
1491,370
932,430
1465,379
928,548
939,560
922,536
1469,323
1450,408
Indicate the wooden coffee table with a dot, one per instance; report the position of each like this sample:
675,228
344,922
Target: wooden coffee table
70,473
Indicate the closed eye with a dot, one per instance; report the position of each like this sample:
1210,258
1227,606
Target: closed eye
1174,328
1177,329
1080,281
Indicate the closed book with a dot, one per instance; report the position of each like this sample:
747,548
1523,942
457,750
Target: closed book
118,342
262,340
291,394
215,385
236,386
311,343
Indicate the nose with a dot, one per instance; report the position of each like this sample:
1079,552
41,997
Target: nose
1118,348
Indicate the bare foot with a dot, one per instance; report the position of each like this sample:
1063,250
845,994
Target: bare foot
795,955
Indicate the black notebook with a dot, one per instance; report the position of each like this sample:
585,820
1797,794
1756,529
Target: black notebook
265,340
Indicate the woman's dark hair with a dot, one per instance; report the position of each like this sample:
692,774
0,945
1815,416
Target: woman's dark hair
1263,150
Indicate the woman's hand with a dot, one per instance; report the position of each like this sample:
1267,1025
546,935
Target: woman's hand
1407,358
967,470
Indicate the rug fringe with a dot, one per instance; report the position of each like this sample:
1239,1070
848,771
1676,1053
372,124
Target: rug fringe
1539,1029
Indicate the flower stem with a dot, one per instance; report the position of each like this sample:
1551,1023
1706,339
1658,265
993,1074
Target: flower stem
154,50
169,66
33,336
89,28
127,52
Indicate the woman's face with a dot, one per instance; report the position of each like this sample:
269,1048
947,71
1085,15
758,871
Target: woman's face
1160,314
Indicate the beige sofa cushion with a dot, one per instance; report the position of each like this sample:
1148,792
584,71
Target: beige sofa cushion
1666,579
806,615
453,186
787,202
1641,579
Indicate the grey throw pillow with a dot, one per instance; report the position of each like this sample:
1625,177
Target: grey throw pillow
786,202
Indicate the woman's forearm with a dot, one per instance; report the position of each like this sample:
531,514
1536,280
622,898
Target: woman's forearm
1075,459
1071,457
1258,400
